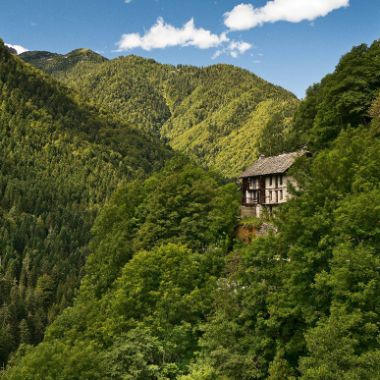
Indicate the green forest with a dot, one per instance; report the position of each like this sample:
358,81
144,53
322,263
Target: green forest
118,215
59,162
220,114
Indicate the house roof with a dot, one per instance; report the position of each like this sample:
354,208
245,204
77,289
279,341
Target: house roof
272,165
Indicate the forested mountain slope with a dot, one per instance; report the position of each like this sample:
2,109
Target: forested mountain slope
59,161
222,114
341,100
158,249
166,295
54,63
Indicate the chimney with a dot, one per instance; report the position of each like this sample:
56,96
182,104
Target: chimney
261,156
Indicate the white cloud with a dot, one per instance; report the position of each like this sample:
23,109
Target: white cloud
20,49
239,47
162,35
128,1
234,49
246,16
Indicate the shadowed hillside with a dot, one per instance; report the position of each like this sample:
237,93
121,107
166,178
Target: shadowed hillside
59,161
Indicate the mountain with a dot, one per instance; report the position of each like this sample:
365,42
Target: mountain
168,295
59,161
54,63
222,114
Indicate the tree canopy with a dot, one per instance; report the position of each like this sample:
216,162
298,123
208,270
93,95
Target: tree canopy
59,161
166,291
221,114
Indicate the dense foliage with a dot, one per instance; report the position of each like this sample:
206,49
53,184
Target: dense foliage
148,284
341,100
167,295
59,161
305,302
221,114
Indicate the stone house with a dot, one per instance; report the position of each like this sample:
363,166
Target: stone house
265,184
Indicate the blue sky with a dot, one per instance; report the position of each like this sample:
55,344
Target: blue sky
293,43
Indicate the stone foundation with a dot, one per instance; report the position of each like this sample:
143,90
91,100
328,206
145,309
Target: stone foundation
247,233
246,212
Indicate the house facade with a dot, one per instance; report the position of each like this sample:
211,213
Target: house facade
265,184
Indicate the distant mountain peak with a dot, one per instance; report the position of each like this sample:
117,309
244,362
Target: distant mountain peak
85,52
55,62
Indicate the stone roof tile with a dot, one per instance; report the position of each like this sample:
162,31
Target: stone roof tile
272,165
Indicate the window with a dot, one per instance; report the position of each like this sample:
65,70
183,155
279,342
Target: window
281,195
270,194
270,180
252,183
280,178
